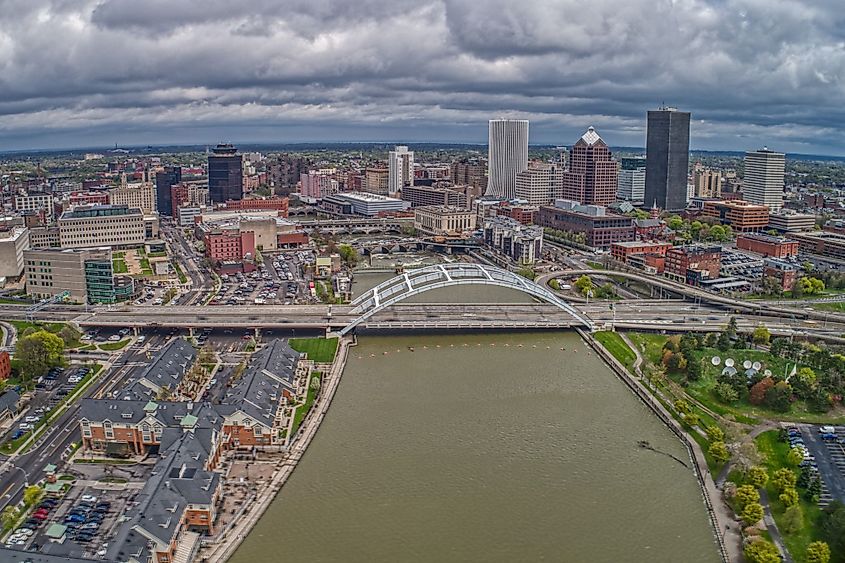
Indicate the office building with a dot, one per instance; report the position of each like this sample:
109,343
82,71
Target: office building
507,156
377,180
667,158
418,196
767,245
165,180
88,198
821,243
87,274
706,182
442,220
631,181
592,175
225,174
142,196
14,241
44,237
694,263
600,228
622,251
763,180
742,216
102,225
539,184
470,172
36,202
400,165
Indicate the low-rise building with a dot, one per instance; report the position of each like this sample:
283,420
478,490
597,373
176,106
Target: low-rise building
163,377
371,204
693,263
784,271
37,202
279,204
442,220
767,245
14,242
9,401
789,221
87,274
742,216
622,251
600,228
102,225
419,196
522,243
822,243
525,214
44,237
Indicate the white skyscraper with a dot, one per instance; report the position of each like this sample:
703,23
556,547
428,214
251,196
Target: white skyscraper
763,181
400,164
631,185
507,156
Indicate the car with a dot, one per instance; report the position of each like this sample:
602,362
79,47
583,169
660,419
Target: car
40,512
114,338
25,427
88,498
90,526
40,517
18,433
142,338
32,419
25,532
75,518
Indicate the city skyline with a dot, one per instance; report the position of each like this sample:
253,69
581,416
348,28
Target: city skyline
320,72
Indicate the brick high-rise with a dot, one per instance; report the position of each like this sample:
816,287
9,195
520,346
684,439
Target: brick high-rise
591,178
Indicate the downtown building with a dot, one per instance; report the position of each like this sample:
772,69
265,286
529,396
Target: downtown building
600,228
143,196
225,174
87,274
667,158
419,196
631,181
102,225
400,166
164,181
592,175
443,220
539,184
522,243
14,242
507,156
763,181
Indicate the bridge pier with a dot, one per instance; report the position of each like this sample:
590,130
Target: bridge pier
257,334
190,332
136,331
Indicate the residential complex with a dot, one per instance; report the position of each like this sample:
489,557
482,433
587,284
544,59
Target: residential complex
400,165
522,243
507,156
667,158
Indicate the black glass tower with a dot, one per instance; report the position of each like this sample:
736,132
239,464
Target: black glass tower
225,174
165,180
667,158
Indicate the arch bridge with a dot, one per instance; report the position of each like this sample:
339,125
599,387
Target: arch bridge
425,279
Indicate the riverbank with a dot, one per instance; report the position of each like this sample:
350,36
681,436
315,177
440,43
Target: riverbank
725,528
223,549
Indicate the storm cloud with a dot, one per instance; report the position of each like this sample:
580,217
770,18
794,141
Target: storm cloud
94,72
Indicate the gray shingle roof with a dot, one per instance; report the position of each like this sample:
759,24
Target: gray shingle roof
8,400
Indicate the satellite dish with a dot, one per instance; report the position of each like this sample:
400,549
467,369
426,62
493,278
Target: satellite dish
746,364
757,365
729,362
767,373
729,371
715,360
750,372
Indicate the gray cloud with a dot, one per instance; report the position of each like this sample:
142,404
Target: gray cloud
752,72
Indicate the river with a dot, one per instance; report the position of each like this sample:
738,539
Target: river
493,447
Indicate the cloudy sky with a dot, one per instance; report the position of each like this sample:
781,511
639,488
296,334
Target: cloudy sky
98,72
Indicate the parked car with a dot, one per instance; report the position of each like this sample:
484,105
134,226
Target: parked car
88,498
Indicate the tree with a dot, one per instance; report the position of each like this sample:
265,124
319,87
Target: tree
761,551
747,494
69,335
784,479
726,393
32,494
711,339
348,254
779,397
675,222
771,286
724,341
732,328
832,526
795,457
584,285
682,406
719,452
789,497
694,370
818,552
759,390
751,513
38,352
761,336
715,434
757,476
793,519
9,517
805,381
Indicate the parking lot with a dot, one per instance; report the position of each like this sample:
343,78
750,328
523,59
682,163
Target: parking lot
828,452
279,280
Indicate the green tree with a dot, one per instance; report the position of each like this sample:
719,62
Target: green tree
32,494
761,551
793,519
711,339
818,552
675,222
732,328
757,476
726,393
784,479
719,452
724,341
38,352
69,335
348,254
9,517
795,457
751,513
718,233
683,406
714,433
832,526
789,497
746,494
584,285
761,336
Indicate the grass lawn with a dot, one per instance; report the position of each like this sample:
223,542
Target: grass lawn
774,453
182,277
119,266
145,267
616,346
303,409
651,345
595,265
833,306
320,350
111,346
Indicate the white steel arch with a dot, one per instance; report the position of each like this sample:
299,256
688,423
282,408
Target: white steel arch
421,280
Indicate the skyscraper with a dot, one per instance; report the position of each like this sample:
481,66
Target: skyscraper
763,181
165,180
400,164
591,178
507,155
667,158
225,174
631,185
